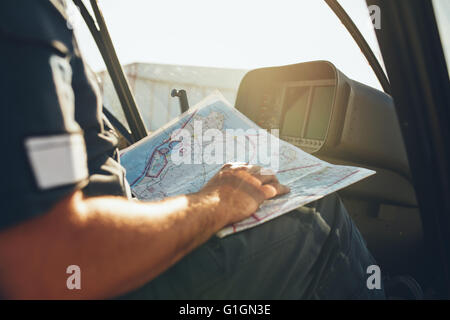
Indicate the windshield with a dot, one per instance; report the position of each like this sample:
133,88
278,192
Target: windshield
442,12
234,34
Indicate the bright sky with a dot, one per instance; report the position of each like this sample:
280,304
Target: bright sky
243,34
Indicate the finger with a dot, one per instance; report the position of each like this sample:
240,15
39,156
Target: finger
261,170
252,173
262,179
282,189
236,166
272,190
226,166
252,188
264,175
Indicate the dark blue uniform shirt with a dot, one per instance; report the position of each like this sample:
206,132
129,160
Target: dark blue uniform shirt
55,139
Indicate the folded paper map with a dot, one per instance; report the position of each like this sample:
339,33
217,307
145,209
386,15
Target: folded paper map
183,155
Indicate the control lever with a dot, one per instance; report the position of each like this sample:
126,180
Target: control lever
182,96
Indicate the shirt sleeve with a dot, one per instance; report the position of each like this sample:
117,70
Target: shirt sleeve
43,147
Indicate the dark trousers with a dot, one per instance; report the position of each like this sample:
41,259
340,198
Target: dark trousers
315,252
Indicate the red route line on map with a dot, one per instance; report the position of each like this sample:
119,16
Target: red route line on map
234,225
162,168
298,168
147,166
254,216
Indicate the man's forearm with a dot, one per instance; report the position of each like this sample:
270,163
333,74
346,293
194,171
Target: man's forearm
118,244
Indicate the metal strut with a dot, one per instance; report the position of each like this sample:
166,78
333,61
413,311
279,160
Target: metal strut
361,42
102,38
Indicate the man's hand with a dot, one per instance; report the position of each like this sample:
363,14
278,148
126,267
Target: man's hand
241,190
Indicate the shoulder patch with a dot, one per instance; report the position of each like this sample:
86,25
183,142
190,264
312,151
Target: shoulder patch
57,160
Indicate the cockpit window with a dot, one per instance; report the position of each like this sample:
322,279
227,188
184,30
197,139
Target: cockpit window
442,12
234,34
367,20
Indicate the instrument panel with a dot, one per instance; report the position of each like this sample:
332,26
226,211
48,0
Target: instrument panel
320,110
300,110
